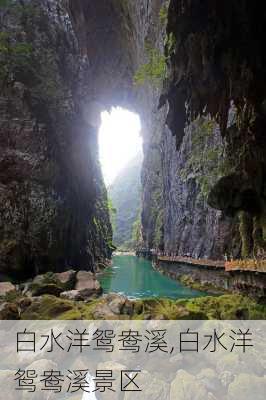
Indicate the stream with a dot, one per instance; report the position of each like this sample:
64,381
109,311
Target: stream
136,278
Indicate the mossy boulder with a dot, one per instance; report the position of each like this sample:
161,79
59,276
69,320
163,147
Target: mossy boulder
51,283
9,311
51,307
228,307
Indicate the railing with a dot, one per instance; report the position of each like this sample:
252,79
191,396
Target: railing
251,265
193,261
246,265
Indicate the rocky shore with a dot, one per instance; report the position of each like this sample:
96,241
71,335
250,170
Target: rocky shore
73,295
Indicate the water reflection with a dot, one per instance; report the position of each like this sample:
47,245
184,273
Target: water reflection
136,278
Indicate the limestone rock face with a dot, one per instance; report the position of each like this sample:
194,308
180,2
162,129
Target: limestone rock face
78,58
216,42
53,204
191,226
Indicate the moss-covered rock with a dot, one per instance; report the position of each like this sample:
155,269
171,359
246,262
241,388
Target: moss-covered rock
226,307
115,306
50,307
48,283
9,311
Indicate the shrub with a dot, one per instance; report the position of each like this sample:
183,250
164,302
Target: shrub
154,71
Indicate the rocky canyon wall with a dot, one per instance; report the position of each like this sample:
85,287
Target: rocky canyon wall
216,63
63,62
53,204
176,179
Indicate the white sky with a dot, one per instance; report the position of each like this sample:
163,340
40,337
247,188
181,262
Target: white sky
119,141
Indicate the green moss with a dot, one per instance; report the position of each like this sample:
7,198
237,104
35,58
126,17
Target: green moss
245,230
196,285
158,233
226,307
154,71
49,284
50,307
223,307
47,307
13,296
163,13
206,162
15,53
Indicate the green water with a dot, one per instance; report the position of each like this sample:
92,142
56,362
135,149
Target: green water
135,277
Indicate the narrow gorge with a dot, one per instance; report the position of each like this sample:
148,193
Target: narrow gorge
194,72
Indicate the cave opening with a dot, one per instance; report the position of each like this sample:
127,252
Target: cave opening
120,152
119,141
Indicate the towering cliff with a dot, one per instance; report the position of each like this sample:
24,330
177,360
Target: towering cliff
176,179
53,205
62,62
217,67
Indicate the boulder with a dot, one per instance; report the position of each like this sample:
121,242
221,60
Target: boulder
79,295
70,295
24,303
66,278
86,280
116,305
5,288
49,288
112,306
102,311
9,311
49,283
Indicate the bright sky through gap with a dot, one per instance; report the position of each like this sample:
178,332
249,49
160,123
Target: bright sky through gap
119,141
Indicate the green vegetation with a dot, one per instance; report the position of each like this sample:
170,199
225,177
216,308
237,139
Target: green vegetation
124,195
14,56
25,56
228,307
245,230
206,163
154,71
158,234
136,240
163,13
15,48
5,3
51,307
112,212
196,285
170,44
